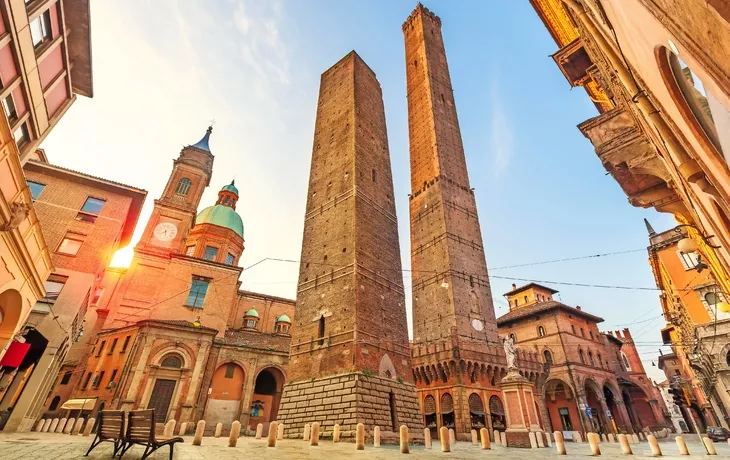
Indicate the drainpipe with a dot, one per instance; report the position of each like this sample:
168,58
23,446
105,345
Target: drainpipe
688,168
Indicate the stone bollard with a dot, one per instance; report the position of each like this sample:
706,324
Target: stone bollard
280,431
484,433
259,430
336,433
496,437
503,438
314,440
533,440
540,439
577,437
273,434
404,447
625,447
548,440
69,424
169,428
235,432
199,430
305,435
376,436
39,426
635,438
604,438
474,438
360,437
709,445
427,438
444,438
218,430
593,441
656,451
452,437
642,436
610,437
183,427
559,443
46,425
681,445
89,426
52,427
77,426
61,425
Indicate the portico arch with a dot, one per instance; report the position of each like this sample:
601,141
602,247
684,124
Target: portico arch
266,397
561,405
595,406
226,394
11,309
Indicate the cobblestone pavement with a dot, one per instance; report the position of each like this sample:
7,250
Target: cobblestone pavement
59,446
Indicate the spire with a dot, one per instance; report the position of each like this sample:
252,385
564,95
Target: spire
649,228
202,144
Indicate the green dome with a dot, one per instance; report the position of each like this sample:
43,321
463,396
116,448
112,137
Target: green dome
230,188
283,318
252,312
222,216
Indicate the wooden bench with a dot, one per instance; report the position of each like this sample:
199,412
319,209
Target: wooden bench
141,430
109,428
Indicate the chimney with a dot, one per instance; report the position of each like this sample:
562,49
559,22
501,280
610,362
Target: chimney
514,286
577,307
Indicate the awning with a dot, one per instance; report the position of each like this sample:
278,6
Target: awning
79,404
15,354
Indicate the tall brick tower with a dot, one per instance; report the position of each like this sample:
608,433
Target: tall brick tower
350,357
458,358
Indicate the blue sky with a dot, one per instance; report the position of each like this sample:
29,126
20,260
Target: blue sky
164,69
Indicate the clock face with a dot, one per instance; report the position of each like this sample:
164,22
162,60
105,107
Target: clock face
165,231
477,325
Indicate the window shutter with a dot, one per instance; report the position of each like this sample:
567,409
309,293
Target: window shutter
447,404
475,404
495,406
429,405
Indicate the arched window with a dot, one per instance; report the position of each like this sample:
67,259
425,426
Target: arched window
54,403
625,361
183,187
525,299
548,356
513,337
540,331
171,361
600,360
582,356
572,328
582,332
591,334
590,359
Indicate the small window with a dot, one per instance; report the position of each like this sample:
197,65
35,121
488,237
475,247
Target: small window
53,285
625,361
591,334
172,362
101,348
114,345
526,299
513,337
90,210
230,369
196,296
590,359
86,381
374,177
54,403
210,253
600,360
189,250
21,135
229,259
9,107
40,28
35,189
125,344
582,332
572,328
98,379
114,375
66,378
183,187
541,331
320,331
71,243
548,356
250,324
582,356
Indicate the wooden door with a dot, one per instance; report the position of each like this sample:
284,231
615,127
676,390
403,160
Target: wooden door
160,399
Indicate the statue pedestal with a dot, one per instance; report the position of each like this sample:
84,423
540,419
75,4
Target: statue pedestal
520,409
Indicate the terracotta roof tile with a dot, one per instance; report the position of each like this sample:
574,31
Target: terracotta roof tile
522,312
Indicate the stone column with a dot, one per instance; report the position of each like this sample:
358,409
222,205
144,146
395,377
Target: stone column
248,393
604,415
127,402
625,416
544,413
201,358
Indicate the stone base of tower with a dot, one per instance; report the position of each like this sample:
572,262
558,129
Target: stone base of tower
349,399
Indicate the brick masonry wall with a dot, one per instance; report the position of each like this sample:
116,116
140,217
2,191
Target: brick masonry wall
450,279
349,399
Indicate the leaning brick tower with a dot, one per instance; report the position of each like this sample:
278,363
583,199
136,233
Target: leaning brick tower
458,358
350,357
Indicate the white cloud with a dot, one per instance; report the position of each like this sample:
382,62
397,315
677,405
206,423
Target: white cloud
501,132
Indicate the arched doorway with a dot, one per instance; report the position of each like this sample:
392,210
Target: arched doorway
615,418
496,411
165,385
266,397
594,409
476,413
226,394
638,407
561,406
447,410
11,308
429,415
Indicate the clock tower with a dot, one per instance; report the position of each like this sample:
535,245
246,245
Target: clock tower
174,212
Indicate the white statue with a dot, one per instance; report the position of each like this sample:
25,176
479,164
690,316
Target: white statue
510,352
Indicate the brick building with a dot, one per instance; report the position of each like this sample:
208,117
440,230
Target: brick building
173,331
84,220
350,359
658,72
594,381
458,358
